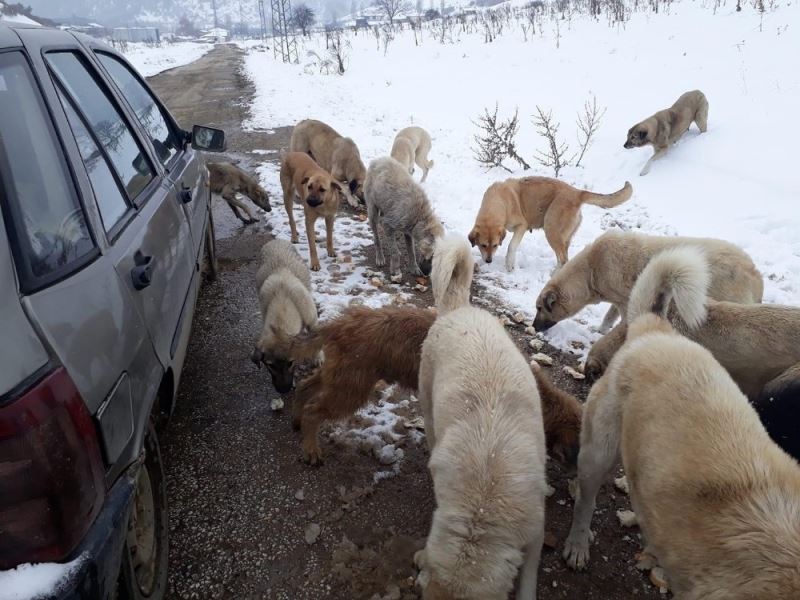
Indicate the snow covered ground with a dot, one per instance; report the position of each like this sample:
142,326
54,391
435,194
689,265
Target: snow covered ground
736,182
150,60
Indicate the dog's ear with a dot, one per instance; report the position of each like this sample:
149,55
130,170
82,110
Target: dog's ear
502,234
473,236
305,180
642,134
257,357
550,299
337,186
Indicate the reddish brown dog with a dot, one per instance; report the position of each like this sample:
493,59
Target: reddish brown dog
364,345
319,195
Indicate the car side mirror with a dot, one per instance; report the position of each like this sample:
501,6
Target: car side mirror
208,139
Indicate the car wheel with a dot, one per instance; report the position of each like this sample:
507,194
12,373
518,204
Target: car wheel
143,573
211,265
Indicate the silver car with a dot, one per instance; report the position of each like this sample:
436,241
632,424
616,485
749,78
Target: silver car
105,224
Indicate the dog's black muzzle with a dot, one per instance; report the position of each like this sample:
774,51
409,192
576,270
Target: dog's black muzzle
627,145
541,323
313,201
425,266
282,374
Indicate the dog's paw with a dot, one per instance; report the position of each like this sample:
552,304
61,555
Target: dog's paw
295,239
380,261
419,559
576,552
396,278
312,456
315,266
644,171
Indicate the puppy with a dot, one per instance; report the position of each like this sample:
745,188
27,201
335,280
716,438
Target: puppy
483,424
717,501
606,269
520,205
667,126
411,145
318,194
226,180
336,154
364,345
287,309
755,343
401,206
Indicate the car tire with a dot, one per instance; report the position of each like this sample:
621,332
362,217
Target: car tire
145,557
211,264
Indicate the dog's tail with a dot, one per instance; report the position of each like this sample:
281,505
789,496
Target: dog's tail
451,275
608,200
679,274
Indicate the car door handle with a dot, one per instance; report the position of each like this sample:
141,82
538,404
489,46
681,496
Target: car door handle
142,273
185,194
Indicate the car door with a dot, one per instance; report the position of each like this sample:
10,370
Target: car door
65,273
184,167
153,250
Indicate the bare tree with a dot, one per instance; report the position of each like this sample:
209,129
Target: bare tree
391,8
548,129
339,51
495,142
303,17
588,123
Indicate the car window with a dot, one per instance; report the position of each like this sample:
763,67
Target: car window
161,133
110,198
50,232
106,122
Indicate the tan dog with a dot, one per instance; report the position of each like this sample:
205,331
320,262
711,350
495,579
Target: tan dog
667,126
411,145
483,423
287,308
521,205
336,154
755,343
318,194
717,501
606,269
562,419
227,180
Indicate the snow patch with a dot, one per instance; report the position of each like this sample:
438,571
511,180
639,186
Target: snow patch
32,581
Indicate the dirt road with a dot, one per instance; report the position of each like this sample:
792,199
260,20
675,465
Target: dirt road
247,518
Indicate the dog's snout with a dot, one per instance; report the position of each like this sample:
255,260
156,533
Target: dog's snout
541,323
313,201
626,145
425,266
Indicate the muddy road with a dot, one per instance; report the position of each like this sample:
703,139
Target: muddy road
247,518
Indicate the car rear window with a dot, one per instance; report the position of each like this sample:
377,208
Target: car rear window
47,224
104,118
158,126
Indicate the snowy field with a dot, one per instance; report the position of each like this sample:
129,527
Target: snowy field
736,182
150,60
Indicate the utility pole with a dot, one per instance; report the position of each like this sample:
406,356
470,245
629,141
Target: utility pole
262,14
214,7
284,42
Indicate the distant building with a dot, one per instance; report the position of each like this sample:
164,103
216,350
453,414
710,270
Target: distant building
216,35
136,34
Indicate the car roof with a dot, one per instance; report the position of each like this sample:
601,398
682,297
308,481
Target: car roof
9,38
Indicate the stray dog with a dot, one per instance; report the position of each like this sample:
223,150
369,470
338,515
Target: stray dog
778,407
411,145
319,196
521,205
667,126
717,501
755,343
287,309
483,424
336,154
227,180
364,345
562,419
401,206
606,269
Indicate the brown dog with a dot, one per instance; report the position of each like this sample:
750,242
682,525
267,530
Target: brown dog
227,180
520,205
562,414
667,126
319,195
336,154
361,346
